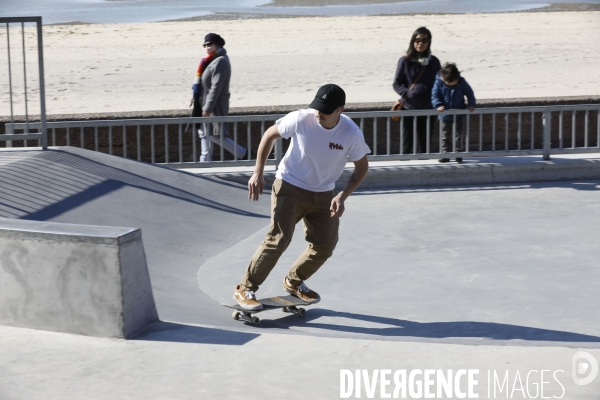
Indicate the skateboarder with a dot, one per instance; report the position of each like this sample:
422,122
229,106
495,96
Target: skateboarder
322,141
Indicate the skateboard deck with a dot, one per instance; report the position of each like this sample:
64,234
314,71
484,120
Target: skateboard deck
287,303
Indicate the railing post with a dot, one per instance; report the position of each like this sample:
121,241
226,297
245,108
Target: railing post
42,85
547,124
278,152
42,135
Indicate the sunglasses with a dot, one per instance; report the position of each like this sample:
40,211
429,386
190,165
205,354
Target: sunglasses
208,44
422,40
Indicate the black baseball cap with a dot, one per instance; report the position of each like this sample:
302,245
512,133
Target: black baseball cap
328,98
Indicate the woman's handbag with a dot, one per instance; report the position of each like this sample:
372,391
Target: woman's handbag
400,102
397,107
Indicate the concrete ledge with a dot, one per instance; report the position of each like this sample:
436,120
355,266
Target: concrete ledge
87,280
472,172
24,229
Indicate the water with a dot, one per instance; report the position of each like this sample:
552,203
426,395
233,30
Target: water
119,11
122,11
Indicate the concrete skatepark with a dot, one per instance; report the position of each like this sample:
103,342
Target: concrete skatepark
481,267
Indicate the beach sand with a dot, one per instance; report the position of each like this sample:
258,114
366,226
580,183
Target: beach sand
282,61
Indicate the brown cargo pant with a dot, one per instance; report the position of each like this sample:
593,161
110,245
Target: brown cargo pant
290,204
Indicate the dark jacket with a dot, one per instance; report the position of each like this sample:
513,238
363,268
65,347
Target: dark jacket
211,94
215,92
215,85
452,97
406,73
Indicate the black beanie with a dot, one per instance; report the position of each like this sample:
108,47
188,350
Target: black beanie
216,39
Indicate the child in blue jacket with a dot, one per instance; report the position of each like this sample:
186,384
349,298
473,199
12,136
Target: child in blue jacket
449,91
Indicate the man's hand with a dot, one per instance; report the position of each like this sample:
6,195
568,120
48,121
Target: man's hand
441,108
471,108
361,167
337,206
205,114
256,185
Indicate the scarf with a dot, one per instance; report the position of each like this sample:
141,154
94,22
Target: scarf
204,63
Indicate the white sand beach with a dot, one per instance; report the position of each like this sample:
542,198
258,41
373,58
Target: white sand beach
282,61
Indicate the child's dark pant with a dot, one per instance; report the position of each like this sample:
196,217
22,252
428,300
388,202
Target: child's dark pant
447,128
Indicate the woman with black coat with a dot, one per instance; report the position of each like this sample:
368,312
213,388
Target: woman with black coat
211,98
414,80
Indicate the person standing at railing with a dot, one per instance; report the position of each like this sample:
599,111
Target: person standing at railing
323,140
413,81
449,92
211,98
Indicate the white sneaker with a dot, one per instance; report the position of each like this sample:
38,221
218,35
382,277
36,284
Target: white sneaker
301,291
246,299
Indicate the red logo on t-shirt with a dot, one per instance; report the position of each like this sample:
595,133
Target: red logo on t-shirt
335,146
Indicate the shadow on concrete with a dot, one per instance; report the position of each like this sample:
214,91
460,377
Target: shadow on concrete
54,182
179,333
427,330
185,218
577,185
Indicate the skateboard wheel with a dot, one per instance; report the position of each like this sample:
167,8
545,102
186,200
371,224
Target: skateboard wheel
285,309
301,312
236,315
255,320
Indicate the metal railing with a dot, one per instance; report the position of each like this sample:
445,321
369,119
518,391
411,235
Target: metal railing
489,132
41,126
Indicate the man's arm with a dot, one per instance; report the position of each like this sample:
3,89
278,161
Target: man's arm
361,167
256,184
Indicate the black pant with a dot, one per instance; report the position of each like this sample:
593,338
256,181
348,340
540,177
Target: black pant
447,128
408,142
196,111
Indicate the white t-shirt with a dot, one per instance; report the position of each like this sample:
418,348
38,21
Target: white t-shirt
317,156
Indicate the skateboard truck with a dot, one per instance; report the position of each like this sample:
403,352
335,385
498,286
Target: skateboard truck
287,304
245,316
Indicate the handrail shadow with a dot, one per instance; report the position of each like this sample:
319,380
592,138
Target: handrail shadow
429,330
48,184
581,185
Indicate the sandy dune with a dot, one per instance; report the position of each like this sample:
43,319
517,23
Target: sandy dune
136,67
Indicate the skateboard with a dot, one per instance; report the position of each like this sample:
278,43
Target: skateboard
287,303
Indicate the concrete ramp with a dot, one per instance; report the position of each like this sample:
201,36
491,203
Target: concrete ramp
74,278
461,264
185,219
